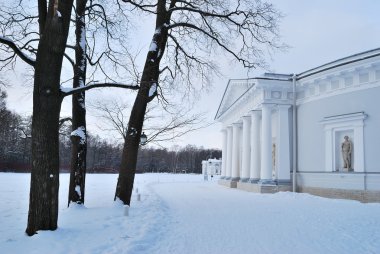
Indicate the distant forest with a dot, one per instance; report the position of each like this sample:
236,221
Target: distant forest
102,156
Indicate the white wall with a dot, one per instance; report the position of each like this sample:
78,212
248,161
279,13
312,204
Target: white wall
311,147
349,181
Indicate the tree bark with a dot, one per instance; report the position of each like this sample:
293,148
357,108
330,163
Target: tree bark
149,78
43,203
79,142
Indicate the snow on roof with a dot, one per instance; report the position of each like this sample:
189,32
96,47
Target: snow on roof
339,62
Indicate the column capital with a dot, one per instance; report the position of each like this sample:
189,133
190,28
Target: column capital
255,113
268,105
283,106
246,119
237,124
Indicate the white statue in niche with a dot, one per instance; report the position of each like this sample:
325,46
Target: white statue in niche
346,152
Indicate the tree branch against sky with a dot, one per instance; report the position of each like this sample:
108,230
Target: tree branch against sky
186,47
106,47
18,34
50,39
182,54
159,125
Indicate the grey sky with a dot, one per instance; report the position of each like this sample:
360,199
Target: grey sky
317,32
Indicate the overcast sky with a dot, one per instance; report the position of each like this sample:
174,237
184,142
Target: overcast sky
317,32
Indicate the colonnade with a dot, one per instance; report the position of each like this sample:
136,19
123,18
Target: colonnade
248,154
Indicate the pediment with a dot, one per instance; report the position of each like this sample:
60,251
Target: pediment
235,89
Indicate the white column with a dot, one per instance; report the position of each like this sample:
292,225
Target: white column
204,167
229,153
255,147
235,174
359,146
266,144
329,167
246,153
224,154
283,144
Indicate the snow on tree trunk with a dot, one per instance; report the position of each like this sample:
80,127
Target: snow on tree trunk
79,136
43,200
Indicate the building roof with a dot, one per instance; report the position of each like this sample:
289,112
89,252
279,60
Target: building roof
236,88
340,62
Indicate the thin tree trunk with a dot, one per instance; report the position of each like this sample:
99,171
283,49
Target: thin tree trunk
79,135
43,202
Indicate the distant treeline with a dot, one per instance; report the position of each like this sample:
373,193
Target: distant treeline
102,156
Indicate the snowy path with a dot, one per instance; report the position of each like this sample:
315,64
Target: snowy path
183,214
207,218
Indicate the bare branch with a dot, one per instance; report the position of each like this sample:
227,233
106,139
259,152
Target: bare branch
144,7
245,62
71,91
16,50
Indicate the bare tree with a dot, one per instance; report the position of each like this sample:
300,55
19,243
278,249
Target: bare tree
22,35
92,16
51,37
160,125
187,33
79,128
54,20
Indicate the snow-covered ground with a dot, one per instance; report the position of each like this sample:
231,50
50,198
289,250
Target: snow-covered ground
183,214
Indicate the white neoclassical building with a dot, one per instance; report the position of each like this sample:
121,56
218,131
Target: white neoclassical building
326,138
211,167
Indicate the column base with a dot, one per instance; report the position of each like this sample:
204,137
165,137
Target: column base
283,182
263,188
228,178
227,183
244,180
222,177
235,179
267,182
254,180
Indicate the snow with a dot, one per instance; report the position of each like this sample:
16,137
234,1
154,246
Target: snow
11,41
66,89
133,132
77,190
153,46
59,14
152,89
184,214
82,45
79,132
159,53
157,31
6,39
82,42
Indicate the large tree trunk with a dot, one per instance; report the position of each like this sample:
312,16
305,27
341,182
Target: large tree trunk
43,203
129,158
79,135
149,79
